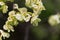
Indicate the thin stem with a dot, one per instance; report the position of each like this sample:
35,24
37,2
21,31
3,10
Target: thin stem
26,33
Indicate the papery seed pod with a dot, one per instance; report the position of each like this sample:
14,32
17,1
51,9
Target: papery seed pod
54,20
19,17
8,28
15,6
23,10
4,34
5,9
2,3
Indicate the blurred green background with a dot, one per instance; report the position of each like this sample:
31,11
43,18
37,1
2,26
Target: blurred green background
43,31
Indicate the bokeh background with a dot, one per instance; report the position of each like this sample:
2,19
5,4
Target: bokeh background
43,31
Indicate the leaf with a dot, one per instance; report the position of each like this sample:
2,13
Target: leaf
7,0
10,0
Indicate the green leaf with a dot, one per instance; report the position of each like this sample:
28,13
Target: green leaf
10,0
7,0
